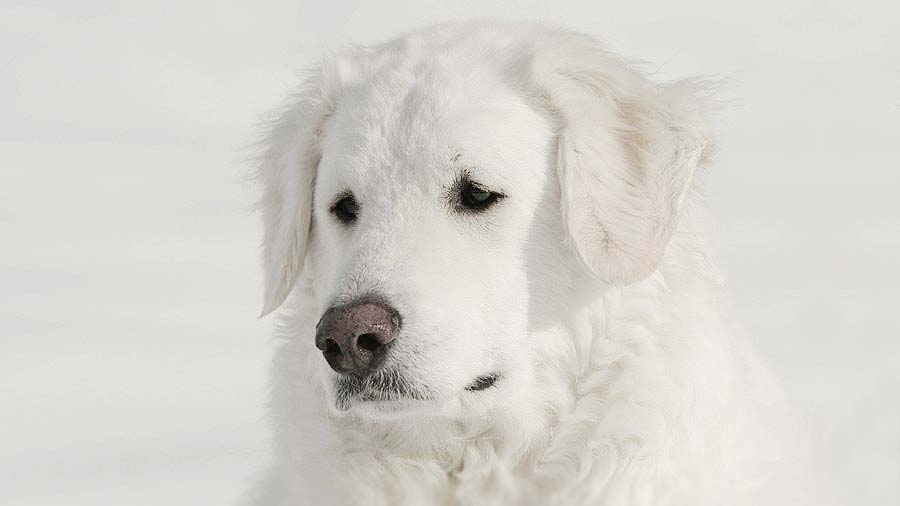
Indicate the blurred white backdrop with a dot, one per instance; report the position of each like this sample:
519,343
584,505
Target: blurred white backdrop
132,366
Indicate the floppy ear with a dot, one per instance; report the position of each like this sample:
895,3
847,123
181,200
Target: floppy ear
287,173
627,152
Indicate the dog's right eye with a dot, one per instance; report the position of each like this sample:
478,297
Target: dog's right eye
345,208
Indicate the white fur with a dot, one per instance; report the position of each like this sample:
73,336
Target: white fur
624,380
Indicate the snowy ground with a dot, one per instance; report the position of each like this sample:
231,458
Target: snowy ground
132,367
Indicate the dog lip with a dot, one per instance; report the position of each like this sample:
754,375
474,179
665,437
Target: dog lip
483,382
382,386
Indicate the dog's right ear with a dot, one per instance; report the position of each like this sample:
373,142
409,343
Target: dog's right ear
287,173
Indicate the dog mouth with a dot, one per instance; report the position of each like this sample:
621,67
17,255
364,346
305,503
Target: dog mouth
389,385
386,385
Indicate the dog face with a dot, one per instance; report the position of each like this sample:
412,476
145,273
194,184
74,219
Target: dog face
445,200
426,200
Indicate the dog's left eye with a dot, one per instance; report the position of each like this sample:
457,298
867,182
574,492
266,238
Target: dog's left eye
474,197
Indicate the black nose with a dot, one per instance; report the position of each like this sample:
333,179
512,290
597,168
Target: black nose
354,337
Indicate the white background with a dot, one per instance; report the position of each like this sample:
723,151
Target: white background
132,366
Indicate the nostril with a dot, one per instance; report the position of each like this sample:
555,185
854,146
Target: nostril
331,348
368,342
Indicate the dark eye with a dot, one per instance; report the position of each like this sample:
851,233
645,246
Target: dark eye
474,197
345,208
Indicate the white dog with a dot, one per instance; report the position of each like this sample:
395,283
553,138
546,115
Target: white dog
498,287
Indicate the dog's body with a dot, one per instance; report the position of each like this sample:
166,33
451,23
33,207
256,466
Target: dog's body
567,343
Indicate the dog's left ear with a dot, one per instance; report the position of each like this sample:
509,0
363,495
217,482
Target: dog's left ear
627,153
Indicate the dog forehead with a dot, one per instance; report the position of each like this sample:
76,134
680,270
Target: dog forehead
419,122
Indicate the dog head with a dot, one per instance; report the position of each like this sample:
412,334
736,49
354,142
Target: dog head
449,193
